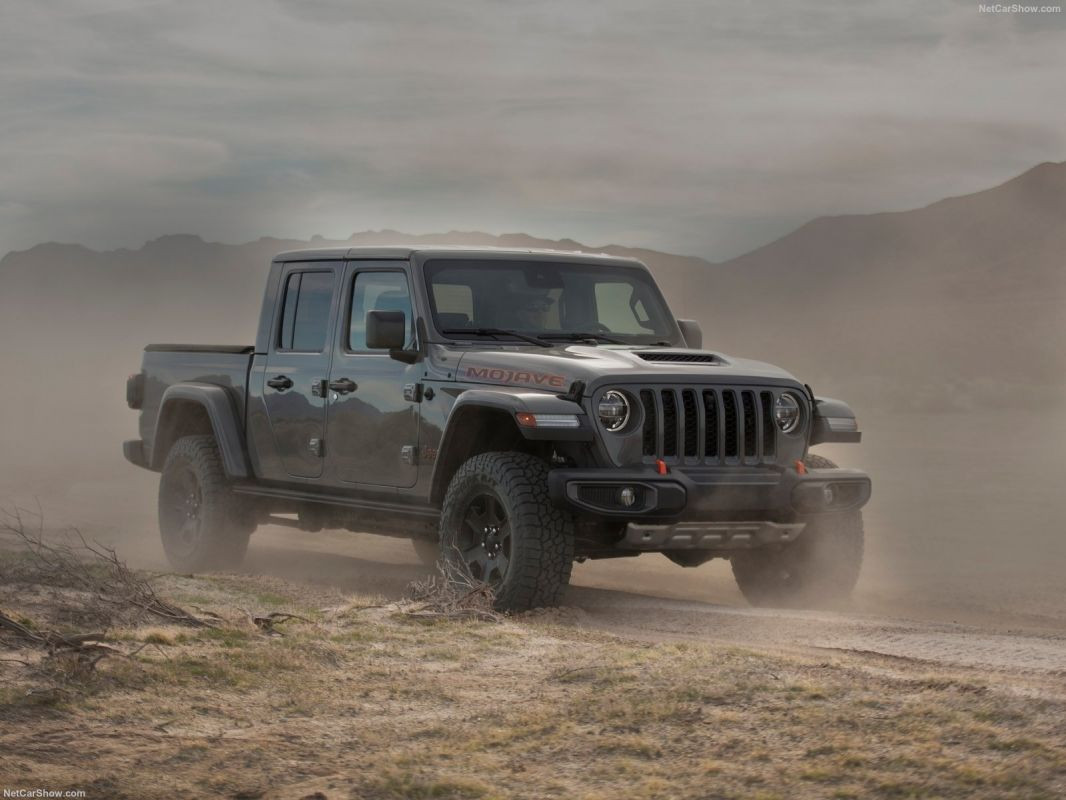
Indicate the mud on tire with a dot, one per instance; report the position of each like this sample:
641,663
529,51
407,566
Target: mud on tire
819,569
202,523
497,520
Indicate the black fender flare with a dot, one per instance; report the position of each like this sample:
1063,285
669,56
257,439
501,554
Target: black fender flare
834,422
509,402
222,414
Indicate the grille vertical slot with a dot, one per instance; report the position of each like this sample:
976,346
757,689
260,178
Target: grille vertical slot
651,421
710,424
669,423
692,424
729,411
747,401
769,428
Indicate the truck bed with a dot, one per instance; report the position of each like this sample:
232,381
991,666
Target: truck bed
224,366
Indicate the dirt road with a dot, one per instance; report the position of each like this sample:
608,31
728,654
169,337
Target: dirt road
649,599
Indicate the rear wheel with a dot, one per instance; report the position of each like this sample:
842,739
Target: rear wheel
203,525
820,568
498,526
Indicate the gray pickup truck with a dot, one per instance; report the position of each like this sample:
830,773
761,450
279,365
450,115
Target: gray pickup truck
511,411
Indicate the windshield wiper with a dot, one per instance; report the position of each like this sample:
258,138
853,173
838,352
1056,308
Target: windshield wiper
495,333
577,336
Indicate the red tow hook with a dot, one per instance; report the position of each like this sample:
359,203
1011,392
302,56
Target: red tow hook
660,466
801,468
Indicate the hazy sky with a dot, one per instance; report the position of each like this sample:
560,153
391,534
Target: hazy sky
700,127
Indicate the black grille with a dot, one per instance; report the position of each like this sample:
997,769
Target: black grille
688,358
708,424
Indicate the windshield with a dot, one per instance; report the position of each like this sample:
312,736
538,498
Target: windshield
547,299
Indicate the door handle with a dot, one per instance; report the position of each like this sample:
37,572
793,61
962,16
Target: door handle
281,383
343,386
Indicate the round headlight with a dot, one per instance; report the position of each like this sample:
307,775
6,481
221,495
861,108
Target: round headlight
787,413
613,410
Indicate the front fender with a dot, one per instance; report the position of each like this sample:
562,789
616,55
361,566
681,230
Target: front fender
834,422
483,419
515,401
223,416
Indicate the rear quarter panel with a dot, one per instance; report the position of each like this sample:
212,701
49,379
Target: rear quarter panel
164,369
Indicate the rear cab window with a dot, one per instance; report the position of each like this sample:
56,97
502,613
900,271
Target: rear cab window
305,312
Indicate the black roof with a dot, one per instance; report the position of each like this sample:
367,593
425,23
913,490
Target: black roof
405,252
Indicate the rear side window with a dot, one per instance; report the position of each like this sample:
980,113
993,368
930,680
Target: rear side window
305,314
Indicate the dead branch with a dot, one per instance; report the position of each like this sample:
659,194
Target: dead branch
266,623
452,593
91,567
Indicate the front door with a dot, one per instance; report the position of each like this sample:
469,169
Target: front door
373,427
294,382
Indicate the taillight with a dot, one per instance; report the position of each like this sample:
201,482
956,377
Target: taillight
135,390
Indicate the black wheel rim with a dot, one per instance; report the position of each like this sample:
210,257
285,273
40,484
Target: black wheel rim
181,507
485,539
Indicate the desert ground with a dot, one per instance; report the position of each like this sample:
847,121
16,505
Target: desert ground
361,694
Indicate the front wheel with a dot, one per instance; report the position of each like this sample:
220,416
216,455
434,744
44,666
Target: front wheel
820,568
498,526
201,522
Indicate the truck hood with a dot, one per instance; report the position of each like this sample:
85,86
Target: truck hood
555,369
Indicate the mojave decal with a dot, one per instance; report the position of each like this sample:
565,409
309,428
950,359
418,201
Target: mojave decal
512,376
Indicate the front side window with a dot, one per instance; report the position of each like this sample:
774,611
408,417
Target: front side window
378,291
551,300
305,313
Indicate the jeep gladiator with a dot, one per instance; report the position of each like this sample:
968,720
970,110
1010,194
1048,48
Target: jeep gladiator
510,411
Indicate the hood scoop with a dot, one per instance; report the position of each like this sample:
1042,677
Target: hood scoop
681,358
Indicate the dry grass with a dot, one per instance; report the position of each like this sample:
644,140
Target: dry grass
350,697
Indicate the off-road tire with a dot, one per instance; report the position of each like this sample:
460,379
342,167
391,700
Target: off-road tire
428,551
216,538
819,569
541,552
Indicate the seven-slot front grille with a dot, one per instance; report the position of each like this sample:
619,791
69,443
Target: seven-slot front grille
711,425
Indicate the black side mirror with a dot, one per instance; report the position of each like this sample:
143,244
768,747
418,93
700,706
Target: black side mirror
386,330
690,329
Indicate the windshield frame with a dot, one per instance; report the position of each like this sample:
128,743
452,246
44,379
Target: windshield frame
638,274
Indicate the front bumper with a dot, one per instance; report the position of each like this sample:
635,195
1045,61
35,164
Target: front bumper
700,507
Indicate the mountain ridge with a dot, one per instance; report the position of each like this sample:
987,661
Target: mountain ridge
1051,172
958,302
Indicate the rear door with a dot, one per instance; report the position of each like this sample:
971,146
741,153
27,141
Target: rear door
374,414
297,368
